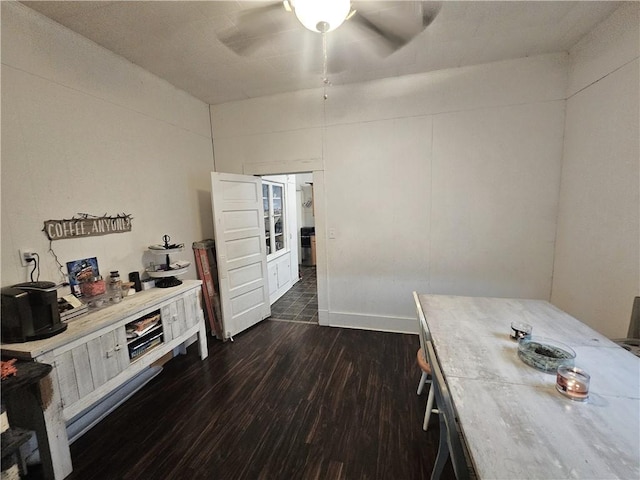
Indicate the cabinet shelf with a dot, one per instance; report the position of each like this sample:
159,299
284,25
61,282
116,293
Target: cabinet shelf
143,334
144,344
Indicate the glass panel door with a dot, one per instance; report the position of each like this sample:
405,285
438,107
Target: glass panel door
274,216
267,220
278,217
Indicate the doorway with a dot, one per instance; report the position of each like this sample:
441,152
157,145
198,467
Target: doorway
300,303
315,166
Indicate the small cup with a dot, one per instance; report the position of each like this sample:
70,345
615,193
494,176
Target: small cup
520,330
573,382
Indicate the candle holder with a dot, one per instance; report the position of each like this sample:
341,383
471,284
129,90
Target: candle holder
545,354
573,382
520,330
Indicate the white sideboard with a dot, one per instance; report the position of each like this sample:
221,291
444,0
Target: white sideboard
93,357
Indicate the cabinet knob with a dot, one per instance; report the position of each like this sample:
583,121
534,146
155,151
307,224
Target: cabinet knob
118,347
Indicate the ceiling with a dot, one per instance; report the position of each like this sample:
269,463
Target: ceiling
179,40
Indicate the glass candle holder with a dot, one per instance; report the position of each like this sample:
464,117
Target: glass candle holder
573,382
520,330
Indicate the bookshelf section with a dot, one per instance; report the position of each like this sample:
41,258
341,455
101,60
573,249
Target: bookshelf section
144,334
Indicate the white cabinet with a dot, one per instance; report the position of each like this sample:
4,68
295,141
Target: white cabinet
86,367
272,273
279,271
94,356
278,199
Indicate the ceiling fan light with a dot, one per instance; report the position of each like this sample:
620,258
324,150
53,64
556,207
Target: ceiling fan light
321,15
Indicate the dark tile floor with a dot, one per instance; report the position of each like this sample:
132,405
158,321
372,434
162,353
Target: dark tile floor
299,304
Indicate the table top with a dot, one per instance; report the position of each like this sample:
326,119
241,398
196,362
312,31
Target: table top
515,423
27,373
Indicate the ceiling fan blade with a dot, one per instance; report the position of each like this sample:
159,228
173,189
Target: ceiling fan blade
392,33
392,40
430,11
252,24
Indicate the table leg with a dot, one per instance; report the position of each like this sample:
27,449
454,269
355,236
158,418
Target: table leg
202,340
38,407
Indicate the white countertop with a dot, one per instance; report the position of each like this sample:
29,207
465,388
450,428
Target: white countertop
515,423
97,319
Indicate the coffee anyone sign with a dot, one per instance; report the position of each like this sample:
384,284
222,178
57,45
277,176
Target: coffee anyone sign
87,226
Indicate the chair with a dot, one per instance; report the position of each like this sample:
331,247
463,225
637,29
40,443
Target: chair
632,342
423,330
451,443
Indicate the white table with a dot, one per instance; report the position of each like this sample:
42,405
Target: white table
514,421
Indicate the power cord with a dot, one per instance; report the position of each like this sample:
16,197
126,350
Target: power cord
36,265
60,267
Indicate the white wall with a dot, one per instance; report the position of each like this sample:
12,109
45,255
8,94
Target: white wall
439,182
84,130
597,262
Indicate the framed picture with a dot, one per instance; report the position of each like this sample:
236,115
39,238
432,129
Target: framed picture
80,271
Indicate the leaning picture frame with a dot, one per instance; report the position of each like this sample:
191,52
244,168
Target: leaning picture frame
80,271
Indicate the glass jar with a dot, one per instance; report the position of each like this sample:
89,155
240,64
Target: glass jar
115,286
93,287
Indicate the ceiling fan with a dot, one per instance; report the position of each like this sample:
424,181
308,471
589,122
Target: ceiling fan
324,16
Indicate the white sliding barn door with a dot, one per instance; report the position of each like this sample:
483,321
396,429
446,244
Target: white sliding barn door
238,219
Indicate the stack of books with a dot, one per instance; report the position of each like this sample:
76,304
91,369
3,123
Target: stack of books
140,327
71,308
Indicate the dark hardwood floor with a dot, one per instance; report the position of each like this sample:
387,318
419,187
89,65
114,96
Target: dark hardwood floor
284,401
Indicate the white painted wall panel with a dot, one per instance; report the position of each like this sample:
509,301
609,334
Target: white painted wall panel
378,191
232,153
86,131
34,43
495,184
525,80
274,113
597,263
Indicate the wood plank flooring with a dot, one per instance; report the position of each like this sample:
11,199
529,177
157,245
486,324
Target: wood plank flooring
284,401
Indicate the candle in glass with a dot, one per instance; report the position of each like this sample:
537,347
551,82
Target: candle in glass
573,382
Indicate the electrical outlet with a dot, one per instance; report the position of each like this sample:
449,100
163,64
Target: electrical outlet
25,255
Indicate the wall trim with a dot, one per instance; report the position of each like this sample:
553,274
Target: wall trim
302,165
373,322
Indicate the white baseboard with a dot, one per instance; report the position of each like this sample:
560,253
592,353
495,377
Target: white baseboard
371,322
323,318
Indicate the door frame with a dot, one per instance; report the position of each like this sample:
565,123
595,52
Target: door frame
319,200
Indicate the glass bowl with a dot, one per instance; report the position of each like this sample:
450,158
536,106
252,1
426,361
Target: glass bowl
545,354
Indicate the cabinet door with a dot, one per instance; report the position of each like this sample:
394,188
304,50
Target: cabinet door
284,272
86,367
108,356
273,278
173,319
191,307
67,377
